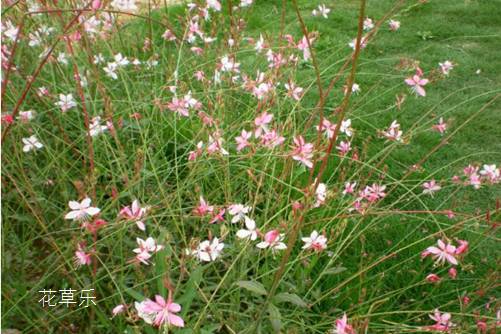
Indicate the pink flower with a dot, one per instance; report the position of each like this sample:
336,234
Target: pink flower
134,213
238,212
293,91
96,4
482,326
327,127
343,147
441,127
444,252
243,140
432,278
118,309
368,24
168,35
94,226
431,187
215,144
446,66
349,188
342,326
452,273
206,119
474,180
193,155
197,50
462,248
272,139
417,83
442,320
178,106
7,119
272,239
303,46
214,4
261,91
315,241
203,208
373,193
199,75
218,217
394,133
160,311
82,210
394,25
303,152
81,257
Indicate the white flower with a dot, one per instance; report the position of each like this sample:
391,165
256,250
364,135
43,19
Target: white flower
208,251
355,88
124,5
250,232
81,210
10,31
322,10
98,59
245,3
146,247
95,127
393,132
61,57
141,312
35,39
315,242
151,63
121,60
259,44
228,65
26,116
491,172
31,143
346,128
320,194
238,211
66,102
368,23
91,25
214,4
110,70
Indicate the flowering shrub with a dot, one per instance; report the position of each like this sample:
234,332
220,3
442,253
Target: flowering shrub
205,170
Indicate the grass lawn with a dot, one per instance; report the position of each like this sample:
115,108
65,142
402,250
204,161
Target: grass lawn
372,268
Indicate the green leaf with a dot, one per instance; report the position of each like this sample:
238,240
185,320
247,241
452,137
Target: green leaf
275,318
252,286
134,294
333,271
190,289
290,298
